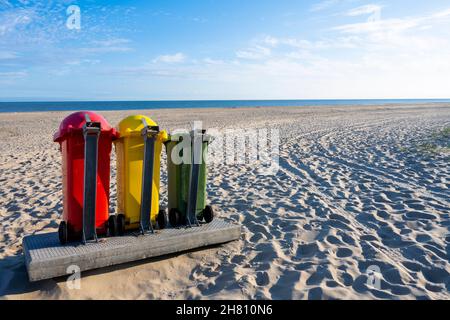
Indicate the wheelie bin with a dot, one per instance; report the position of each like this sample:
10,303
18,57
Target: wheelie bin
138,152
85,140
187,180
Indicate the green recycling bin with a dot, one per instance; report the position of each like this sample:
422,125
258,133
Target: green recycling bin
187,174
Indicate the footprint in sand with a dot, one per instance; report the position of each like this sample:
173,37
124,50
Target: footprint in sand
333,240
315,294
344,253
307,250
262,278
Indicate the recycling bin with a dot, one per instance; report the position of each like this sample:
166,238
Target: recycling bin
85,140
138,150
187,197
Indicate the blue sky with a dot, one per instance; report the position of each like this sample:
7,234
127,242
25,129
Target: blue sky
215,49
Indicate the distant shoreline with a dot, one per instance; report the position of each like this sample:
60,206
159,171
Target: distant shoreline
39,106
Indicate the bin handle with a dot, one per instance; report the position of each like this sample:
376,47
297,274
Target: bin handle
148,129
144,122
91,127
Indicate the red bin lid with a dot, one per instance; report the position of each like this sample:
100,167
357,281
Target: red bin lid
76,121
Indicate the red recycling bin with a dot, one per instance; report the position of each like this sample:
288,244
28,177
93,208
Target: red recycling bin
71,137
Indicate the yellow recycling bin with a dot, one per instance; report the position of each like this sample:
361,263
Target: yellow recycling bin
138,152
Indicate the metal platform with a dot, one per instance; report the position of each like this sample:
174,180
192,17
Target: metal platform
46,258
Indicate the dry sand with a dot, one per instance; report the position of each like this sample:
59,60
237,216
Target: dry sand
357,187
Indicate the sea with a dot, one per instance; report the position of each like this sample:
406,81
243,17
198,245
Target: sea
40,106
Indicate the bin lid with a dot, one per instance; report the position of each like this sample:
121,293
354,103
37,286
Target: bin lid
76,121
133,125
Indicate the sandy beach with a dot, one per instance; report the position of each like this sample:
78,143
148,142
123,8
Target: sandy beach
357,187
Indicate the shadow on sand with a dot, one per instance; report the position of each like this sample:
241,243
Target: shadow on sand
14,278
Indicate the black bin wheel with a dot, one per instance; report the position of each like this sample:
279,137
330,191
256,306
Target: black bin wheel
120,224
174,217
208,214
62,232
162,219
112,226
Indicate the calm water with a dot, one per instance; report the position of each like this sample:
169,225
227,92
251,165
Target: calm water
129,105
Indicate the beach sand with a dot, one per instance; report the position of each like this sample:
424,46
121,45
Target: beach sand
358,187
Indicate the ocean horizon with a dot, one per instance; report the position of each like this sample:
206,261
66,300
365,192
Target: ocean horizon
41,106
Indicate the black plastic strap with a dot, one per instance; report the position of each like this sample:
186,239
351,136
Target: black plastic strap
91,133
196,158
149,134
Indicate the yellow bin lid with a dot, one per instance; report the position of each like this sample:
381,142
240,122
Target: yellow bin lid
133,125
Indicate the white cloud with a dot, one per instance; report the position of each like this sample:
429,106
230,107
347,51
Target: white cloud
99,50
254,53
170,58
213,61
7,55
387,26
367,9
111,42
5,4
107,46
11,20
271,41
13,74
79,62
393,25
392,58
324,5
442,14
